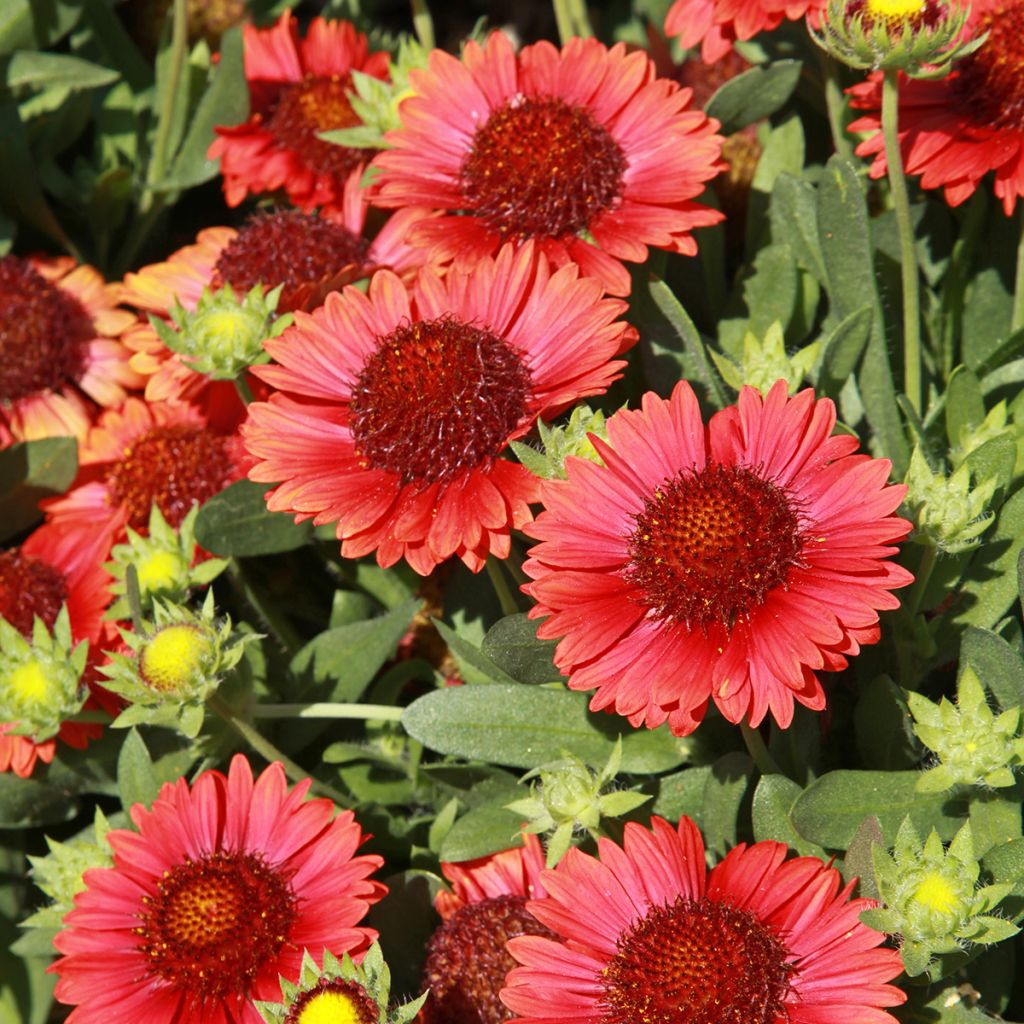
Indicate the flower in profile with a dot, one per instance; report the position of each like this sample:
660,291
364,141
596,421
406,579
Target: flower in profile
399,402
466,957
582,149
211,899
731,563
717,24
297,89
60,353
956,129
648,933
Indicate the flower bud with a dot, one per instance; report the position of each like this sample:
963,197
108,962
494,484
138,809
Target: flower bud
765,361
561,442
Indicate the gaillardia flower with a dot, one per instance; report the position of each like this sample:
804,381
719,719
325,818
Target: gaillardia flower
400,402
717,24
213,897
730,563
581,149
466,957
646,933
954,130
60,356
297,90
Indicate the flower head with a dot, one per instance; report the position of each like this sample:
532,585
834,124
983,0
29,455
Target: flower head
581,149
730,563
647,933
298,89
211,899
405,399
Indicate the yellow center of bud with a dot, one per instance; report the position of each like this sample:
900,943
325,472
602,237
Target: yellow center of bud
175,658
894,9
159,571
31,684
936,893
330,1008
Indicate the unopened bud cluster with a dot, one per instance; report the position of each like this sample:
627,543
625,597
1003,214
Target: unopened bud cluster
765,361
559,443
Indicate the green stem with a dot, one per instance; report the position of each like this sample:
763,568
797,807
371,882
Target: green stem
908,257
388,712
423,24
758,750
285,634
243,389
835,105
580,18
929,556
270,753
564,20
1017,319
501,588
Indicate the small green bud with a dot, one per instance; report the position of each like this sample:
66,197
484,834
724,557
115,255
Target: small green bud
559,443
947,512
765,361
975,746
932,899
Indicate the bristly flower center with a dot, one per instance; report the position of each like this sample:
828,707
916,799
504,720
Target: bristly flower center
539,168
214,923
290,248
709,546
990,82
30,587
43,332
697,962
312,106
437,398
173,467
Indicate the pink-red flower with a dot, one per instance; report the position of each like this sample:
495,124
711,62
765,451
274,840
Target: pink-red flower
297,90
731,563
399,403
954,130
647,933
214,895
60,356
582,149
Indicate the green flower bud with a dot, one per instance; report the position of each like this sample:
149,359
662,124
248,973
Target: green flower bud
559,443
975,746
932,899
223,336
765,361
41,678
947,512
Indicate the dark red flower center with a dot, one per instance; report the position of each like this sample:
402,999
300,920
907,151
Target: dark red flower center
697,962
467,961
309,107
213,924
298,250
30,587
710,545
43,332
343,1002
437,398
990,81
173,467
541,168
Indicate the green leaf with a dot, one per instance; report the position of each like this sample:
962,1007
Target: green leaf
27,69
965,406
137,779
27,24
783,152
237,522
755,94
996,460
724,790
842,348
524,726
995,818
858,862
882,725
773,801
1005,863
998,666
28,802
474,666
29,472
771,291
512,644
348,657
480,831
680,793
794,220
833,807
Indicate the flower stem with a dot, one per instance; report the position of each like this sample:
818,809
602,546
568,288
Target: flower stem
285,634
243,389
835,105
1017,320
915,595
326,710
908,257
758,750
564,20
269,752
423,23
505,596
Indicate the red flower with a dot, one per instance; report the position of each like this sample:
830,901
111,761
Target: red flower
215,895
581,149
956,129
730,563
406,398
647,933
297,89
